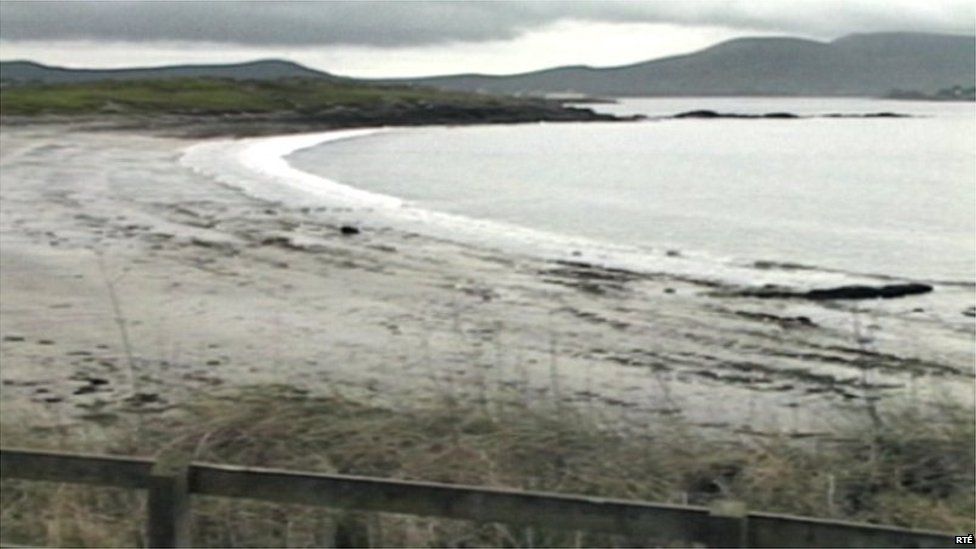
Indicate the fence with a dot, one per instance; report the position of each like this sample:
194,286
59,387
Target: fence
170,483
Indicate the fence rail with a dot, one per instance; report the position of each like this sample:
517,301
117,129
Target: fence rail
170,483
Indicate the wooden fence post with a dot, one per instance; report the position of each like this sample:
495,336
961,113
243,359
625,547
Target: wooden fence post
168,523
729,524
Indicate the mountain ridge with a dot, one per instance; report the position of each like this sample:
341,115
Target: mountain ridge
868,64
865,64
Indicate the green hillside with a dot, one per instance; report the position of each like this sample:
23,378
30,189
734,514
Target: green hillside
222,96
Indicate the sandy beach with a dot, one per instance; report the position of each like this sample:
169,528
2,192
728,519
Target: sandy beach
214,288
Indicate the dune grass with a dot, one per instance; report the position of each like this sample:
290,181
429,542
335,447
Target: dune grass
907,472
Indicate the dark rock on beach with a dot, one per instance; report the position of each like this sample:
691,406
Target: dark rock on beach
887,291
868,115
703,114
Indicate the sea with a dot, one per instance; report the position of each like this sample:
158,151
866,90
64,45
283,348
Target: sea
809,202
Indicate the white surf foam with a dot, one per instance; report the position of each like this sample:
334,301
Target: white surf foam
258,166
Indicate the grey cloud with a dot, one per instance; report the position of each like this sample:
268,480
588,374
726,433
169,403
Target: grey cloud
826,18
266,23
393,24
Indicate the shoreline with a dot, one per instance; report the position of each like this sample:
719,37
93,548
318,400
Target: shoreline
266,156
383,314
724,277
279,123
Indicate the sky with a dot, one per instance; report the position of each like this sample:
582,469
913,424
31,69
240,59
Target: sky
420,38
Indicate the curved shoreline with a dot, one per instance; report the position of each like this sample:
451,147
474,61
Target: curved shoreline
260,168
726,275
265,157
252,291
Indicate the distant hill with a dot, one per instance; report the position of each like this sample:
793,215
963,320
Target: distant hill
22,72
872,65
855,65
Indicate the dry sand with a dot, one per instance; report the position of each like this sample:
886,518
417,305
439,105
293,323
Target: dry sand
216,288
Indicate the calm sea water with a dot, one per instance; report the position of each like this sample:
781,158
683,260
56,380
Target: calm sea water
869,196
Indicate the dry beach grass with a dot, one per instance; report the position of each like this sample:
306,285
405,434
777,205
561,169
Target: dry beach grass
902,472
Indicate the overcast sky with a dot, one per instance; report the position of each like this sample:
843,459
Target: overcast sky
422,38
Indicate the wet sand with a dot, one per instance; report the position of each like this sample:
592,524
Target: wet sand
216,289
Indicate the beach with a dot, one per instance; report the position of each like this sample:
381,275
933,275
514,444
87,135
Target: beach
130,282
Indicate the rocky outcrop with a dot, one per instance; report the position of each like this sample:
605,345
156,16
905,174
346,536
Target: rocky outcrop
705,114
